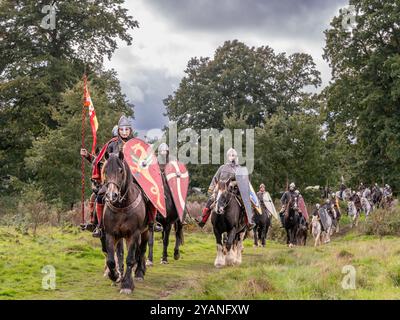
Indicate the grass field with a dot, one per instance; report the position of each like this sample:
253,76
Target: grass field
274,272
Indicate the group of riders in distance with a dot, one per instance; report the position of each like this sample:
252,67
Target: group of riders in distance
135,193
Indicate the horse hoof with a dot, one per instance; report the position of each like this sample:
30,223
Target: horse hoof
125,291
255,246
164,262
219,265
177,256
139,279
149,263
290,245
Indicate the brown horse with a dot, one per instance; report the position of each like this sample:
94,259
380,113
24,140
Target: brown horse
124,218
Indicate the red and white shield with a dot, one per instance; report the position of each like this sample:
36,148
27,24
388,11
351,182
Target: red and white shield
178,182
145,169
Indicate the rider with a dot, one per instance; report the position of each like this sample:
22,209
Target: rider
225,172
260,196
91,226
285,200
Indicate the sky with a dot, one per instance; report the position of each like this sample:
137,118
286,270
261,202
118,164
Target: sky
173,31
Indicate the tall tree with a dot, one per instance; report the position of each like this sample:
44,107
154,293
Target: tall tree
252,81
363,100
37,65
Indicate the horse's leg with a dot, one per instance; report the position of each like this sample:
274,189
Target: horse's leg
132,243
104,250
141,256
112,274
178,238
255,235
230,256
166,232
263,234
120,259
287,236
220,258
149,261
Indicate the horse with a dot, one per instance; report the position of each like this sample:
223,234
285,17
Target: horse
124,218
354,208
316,230
228,218
172,218
291,221
377,195
262,224
302,231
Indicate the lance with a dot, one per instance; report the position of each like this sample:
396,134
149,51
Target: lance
83,158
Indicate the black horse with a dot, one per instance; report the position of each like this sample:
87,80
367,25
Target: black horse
291,221
377,196
171,219
124,218
228,217
262,222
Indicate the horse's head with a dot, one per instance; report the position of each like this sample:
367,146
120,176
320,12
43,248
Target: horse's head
114,174
225,190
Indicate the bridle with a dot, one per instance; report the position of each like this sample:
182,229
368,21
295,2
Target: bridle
120,198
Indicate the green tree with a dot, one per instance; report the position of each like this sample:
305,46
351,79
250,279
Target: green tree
293,148
38,65
362,106
252,82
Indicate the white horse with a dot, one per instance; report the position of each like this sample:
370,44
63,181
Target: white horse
316,230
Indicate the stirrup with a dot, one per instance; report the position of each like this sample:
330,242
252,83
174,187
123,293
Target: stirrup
97,233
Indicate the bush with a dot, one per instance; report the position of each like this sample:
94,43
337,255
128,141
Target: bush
383,222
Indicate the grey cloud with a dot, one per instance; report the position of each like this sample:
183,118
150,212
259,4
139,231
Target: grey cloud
295,18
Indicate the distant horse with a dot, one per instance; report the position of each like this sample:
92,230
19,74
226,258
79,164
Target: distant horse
262,223
377,195
291,221
167,222
124,218
354,208
316,230
228,218
302,231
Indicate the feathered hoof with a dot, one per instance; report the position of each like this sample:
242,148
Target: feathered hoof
149,263
125,291
291,245
139,279
164,262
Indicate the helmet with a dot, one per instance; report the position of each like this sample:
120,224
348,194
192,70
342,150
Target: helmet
327,201
162,148
262,185
115,131
292,186
387,186
124,122
297,192
232,153
333,195
317,205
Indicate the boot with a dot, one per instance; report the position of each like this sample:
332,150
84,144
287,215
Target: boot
97,233
250,225
157,227
205,215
